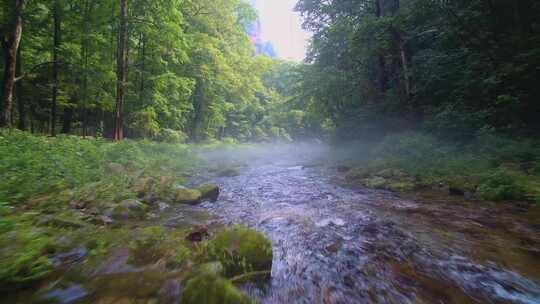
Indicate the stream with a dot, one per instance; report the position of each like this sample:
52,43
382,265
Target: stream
334,244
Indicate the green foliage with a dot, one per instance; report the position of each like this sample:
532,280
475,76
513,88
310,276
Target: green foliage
495,167
501,185
23,255
452,68
171,136
31,165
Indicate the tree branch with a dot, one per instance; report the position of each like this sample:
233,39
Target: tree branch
37,66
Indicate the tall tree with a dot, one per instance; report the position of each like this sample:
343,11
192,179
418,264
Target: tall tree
56,47
122,70
11,34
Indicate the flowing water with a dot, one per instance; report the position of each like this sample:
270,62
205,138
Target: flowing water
334,244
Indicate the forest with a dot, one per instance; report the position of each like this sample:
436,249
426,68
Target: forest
151,153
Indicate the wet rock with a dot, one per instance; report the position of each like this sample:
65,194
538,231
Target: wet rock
343,169
242,250
187,196
228,172
456,191
330,221
209,192
333,248
211,289
170,292
197,234
129,209
69,257
163,206
71,294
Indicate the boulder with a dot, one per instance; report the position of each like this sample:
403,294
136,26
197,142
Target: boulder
241,250
228,172
129,209
170,292
209,192
211,289
144,186
187,196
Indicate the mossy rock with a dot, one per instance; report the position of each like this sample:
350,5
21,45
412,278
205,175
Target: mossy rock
241,250
215,268
375,182
228,172
187,196
209,192
144,186
401,186
211,289
129,209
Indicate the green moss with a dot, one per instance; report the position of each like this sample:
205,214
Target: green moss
156,243
209,192
241,250
401,185
211,289
129,209
187,196
376,182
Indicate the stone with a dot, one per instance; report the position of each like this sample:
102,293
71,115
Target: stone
197,234
129,209
170,292
211,289
209,192
187,196
241,250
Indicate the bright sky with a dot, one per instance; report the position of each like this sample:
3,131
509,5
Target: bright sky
283,27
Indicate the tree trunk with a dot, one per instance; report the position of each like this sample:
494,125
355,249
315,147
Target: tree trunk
67,120
10,43
121,74
143,55
56,17
18,93
199,109
382,79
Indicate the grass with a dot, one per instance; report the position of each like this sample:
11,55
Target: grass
40,179
494,167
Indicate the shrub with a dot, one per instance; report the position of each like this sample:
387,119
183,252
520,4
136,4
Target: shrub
172,136
501,185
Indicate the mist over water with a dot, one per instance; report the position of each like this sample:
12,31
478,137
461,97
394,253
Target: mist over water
333,243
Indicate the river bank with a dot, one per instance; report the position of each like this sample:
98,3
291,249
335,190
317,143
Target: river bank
91,221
